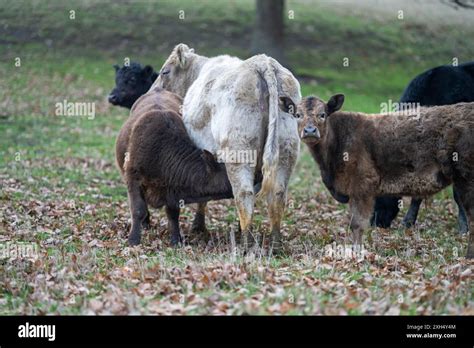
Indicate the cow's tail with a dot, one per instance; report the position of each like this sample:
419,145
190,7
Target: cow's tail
271,148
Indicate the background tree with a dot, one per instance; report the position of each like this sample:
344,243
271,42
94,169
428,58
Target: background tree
268,35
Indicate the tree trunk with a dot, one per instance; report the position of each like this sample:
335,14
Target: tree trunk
268,35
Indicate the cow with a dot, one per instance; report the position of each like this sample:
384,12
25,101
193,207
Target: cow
131,82
414,153
443,85
233,106
162,166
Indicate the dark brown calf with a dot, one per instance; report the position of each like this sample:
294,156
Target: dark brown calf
161,165
406,154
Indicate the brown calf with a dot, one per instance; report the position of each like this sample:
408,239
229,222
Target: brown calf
406,154
161,165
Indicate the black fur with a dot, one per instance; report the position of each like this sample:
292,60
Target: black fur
131,82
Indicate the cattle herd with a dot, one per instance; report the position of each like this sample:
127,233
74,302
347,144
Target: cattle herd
205,129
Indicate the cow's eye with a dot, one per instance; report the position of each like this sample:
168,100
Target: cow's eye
165,71
322,115
298,115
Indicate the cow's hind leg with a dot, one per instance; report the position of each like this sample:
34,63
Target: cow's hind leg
276,207
138,210
172,214
199,222
465,193
463,226
276,200
385,211
241,177
361,210
146,220
410,218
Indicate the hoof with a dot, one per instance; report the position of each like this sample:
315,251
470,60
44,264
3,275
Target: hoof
463,229
408,223
132,241
470,253
146,224
277,249
201,231
176,241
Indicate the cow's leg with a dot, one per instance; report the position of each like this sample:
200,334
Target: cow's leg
276,198
410,218
465,193
385,211
361,210
172,214
276,206
138,210
241,177
463,226
199,222
146,220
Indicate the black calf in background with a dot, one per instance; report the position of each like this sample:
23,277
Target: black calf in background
442,85
131,82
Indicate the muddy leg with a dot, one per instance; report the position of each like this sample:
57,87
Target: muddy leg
463,226
361,210
241,177
276,207
276,199
138,210
245,202
412,214
173,225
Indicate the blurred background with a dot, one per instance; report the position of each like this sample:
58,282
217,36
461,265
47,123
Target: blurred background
387,43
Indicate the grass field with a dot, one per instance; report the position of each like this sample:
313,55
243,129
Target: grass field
60,187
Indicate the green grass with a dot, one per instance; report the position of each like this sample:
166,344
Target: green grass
60,187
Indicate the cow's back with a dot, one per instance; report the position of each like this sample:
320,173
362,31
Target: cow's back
153,101
231,85
442,85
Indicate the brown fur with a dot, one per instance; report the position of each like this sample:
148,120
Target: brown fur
163,166
364,156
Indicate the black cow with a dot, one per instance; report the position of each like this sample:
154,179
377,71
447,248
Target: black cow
131,82
442,85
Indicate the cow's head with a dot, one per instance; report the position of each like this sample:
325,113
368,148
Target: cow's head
312,114
131,82
176,73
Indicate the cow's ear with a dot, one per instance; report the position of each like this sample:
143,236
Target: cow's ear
147,70
210,160
116,67
335,103
182,52
286,104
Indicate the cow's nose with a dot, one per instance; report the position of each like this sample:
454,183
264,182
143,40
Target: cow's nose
113,98
310,131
